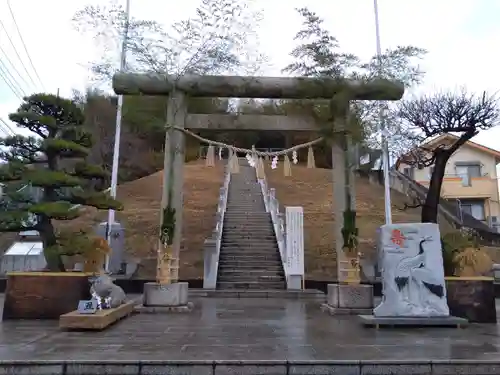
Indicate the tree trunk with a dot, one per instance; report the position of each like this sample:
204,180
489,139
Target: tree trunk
430,207
49,240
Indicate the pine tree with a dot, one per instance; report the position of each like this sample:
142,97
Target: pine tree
52,163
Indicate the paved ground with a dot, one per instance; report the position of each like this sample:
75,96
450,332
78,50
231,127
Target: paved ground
237,329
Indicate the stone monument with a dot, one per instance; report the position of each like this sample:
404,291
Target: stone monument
413,284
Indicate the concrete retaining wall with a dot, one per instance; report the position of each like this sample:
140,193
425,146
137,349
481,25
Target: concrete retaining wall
448,367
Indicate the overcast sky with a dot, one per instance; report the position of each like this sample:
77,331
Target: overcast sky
462,37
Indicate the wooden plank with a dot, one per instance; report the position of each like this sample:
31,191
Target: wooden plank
255,87
250,122
98,321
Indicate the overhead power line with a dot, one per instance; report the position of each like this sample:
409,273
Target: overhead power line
13,80
17,54
24,44
4,125
13,67
10,84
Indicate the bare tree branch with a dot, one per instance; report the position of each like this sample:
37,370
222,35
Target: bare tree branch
449,113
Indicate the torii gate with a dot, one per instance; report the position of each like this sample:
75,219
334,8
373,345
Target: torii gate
167,291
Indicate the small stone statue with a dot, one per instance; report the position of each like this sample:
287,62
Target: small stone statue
108,294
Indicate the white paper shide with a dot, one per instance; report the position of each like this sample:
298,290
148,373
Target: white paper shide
411,263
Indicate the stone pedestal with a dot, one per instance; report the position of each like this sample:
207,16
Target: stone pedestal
472,298
294,282
349,299
165,298
496,272
44,295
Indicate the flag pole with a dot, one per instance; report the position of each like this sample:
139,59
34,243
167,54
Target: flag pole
382,128
116,149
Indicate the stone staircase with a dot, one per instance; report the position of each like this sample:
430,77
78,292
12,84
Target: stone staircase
249,256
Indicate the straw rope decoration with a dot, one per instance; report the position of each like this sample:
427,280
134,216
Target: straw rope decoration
256,156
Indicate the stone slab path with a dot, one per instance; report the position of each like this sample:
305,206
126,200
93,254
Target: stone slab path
246,329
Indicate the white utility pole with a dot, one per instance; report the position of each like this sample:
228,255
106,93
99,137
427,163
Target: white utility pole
116,150
385,146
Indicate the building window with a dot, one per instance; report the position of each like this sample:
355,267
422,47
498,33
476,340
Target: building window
467,171
473,207
409,171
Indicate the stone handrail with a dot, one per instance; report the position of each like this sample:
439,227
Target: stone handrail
212,245
278,219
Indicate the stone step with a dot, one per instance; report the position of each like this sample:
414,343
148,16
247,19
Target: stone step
251,223
231,225
237,214
249,272
268,228
245,232
239,250
256,236
246,200
250,201
244,229
245,258
251,208
270,256
239,266
250,236
267,264
249,226
244,211
251,285
248,245
245,190
267,249
262,250
256,243
235,210
242,278
250,219
243,195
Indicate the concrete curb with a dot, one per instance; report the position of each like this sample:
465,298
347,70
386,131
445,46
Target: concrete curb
314,367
